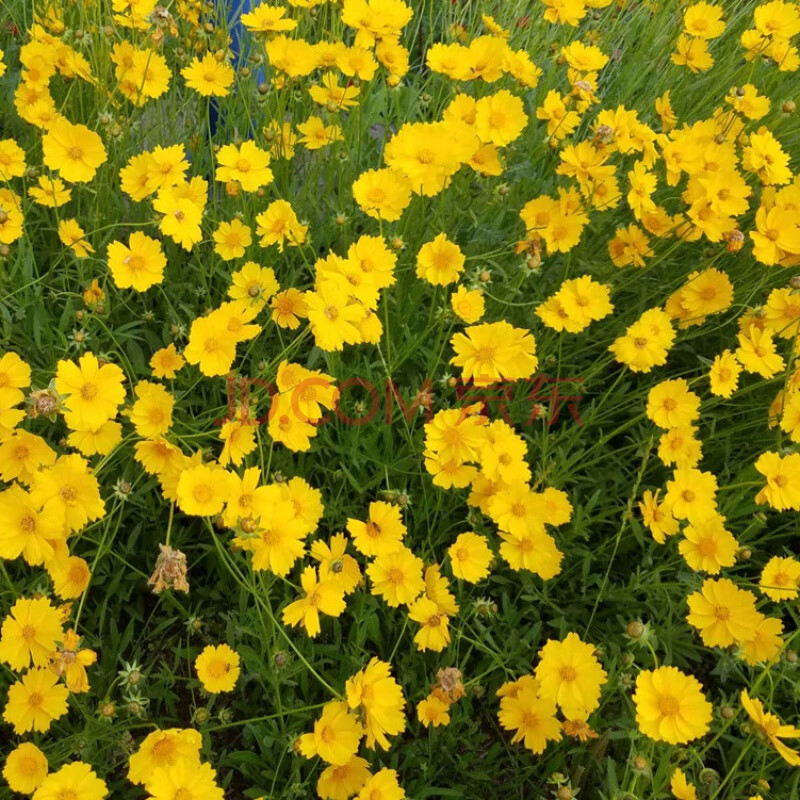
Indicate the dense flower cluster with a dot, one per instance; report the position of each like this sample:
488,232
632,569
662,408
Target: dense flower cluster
317,199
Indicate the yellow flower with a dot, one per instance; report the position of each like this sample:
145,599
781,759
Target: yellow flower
74,150
680,786
468,305
433,711
325,596
35,701
397,576
383,785
780,578
531,717
74,237
217,668
670,706
440,261
723,613
278,224
29,633
570,675
202,490
22,454
771,726
341,782
376,695
26,767
93,390
382,533
208,77
76,779
164,749
231,239
434,632
166,362
470,557
335,737
493,351
186,780
707,545
140,265
246,164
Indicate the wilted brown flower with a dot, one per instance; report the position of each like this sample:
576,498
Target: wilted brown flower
170,571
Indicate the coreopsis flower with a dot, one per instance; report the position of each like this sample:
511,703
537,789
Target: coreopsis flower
670,404
29,633
468,304
202,490
434,632
570,675
646,342
12,160
782,489
332,316
433,711
74,150
341,782
22,454
288,425
28,529
658,517
680,787
246,164
708,546
35,701
470,557
500,118
161,168
670,706
164,749
383,193
70,662
139,265
724,374
69,488
11,216
93,391
211,346
765,157
780,578
182,215
74,236
315,134
440,261
723,613
151,414
208,77
325,596
231,239
278,224
494,351
531,717
70,576
377,696
630,246
217,668
335,737
757,353
383,785
185,779
535,551
265,18
396,576
166,362
26,765
765,645
253,283
772,728
76,779
335,565
692,52
691,494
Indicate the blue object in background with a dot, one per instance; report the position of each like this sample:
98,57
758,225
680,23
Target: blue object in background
239,45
